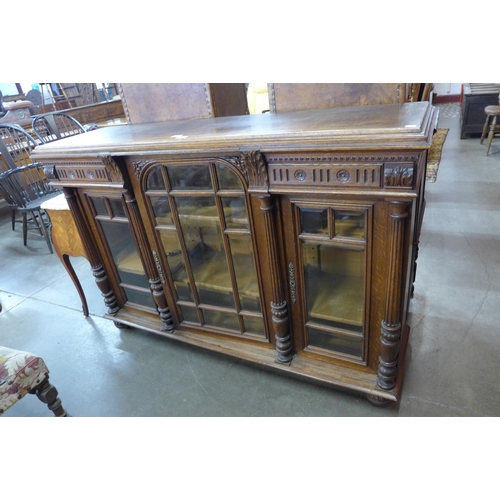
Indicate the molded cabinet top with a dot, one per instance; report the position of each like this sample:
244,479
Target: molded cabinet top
394,126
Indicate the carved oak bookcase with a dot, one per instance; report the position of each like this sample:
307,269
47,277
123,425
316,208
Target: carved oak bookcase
288,240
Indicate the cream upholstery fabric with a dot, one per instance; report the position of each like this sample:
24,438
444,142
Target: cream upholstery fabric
19,373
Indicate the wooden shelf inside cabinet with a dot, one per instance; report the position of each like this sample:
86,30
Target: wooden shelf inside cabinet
212,278
130,262
343,303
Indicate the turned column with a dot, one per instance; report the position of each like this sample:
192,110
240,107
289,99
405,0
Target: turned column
96,266
150,261
279,307
391,324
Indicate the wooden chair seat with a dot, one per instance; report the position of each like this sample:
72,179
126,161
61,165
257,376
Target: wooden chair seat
22,373
492,110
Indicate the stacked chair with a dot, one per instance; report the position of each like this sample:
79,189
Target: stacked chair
51,127
22,182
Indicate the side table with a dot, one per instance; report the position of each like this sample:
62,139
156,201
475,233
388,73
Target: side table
66,240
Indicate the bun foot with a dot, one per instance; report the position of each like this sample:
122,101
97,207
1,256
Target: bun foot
377,400
121,325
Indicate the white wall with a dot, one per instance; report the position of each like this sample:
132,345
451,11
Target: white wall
11,89
447,88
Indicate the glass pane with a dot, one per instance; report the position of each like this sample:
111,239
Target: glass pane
198,211
222,320
244,268
190,314
155,179
142,298
161,209
334,283
195,177
350,224
175,261
117,207
235,212
254,325
227,178
202,235
125,254
336,342
100,206
314,220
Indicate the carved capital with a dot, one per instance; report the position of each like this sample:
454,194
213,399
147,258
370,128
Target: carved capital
253,167
398,176
112,168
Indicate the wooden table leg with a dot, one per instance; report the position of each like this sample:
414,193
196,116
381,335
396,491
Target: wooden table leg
69,268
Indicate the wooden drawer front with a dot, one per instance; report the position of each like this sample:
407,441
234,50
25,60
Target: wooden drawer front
102,171
363,175
84,173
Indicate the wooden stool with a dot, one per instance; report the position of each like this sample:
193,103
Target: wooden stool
22,373
492,112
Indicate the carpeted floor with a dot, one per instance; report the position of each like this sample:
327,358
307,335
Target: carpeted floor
435,154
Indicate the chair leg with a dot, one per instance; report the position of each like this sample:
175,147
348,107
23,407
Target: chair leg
36,222
491,134
486,126
25,228
45,231
47,393
13,219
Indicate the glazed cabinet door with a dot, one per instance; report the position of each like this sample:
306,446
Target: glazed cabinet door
201,225
122,258
329,257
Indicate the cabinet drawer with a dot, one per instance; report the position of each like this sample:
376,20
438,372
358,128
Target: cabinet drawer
320,174
336,172
85,171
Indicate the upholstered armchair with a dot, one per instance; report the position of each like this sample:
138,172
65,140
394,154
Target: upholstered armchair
22,373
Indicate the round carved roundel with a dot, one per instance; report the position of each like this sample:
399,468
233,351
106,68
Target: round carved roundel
300,175
343,175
